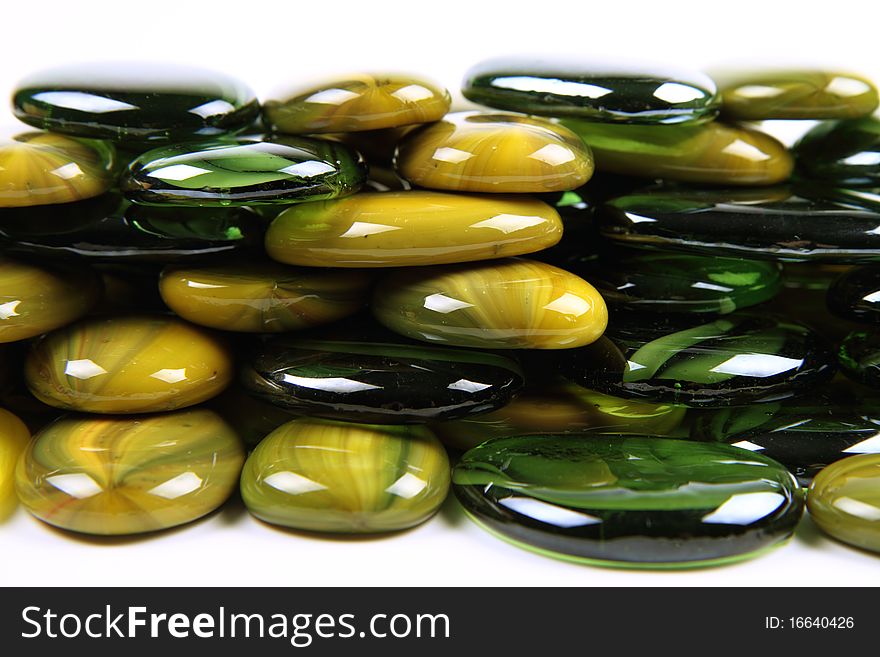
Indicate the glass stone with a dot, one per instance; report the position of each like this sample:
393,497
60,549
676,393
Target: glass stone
494,152
379,382
252,419
244,171
591,90
14,437
110,228
637,501
119,475
713,153
778,223
391,229
738,359
504,304
795,94
844,501
855,295
262,297
41,168
359,102
130,364
135,102
845,153
346,478
37,298
859,356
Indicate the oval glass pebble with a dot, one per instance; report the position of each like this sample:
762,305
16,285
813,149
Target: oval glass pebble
14,437
506,304
859,356
130,364
379,382
346,478
392,229
262,297
134,103
637,501
356,103
845,153
855,295
501,153
129,475
244,171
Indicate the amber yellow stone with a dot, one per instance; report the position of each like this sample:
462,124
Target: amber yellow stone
132,364
391,229
355,103
844,500
494,152
505,304
14,436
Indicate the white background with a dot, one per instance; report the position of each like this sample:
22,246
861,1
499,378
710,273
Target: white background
269,42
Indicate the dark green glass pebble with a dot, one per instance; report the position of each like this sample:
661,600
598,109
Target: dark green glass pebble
112,229
592,90
855,295
859,357
639,501
244,171
134,103
738,359
843,152
379,382
772,223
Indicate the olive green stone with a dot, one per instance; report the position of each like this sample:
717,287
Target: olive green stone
844,501
859,356
842,152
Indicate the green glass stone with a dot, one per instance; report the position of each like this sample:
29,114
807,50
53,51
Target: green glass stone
842,152
592,90
637,501
855,295
244,171
134,103
859,357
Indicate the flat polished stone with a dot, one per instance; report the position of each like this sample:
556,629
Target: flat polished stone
556,86
855,295
713,153
638,501
110,476
845,153
494,152
393,229
130,364
14,437
737,359
859,356
346,478
504,304
379,382
244,171
134,102
262,297
356,103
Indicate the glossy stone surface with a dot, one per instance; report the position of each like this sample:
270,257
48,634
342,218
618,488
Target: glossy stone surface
14,437
844,501
738,359
36,298
859,356
359,102
130,364
494,152
842,152
778,223
41,168
134,103
391,229
346,478
110,228
855,295
379,382
262,297
244,171
128,475
629,500
506,304
796,94
591,90
713,154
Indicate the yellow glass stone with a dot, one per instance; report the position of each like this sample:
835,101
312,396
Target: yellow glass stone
355,103
35,298
264,297
14,436
494,152
112,475
391,229
504,304
133,364
844,501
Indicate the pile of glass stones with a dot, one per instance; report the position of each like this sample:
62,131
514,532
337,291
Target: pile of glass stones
646,331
